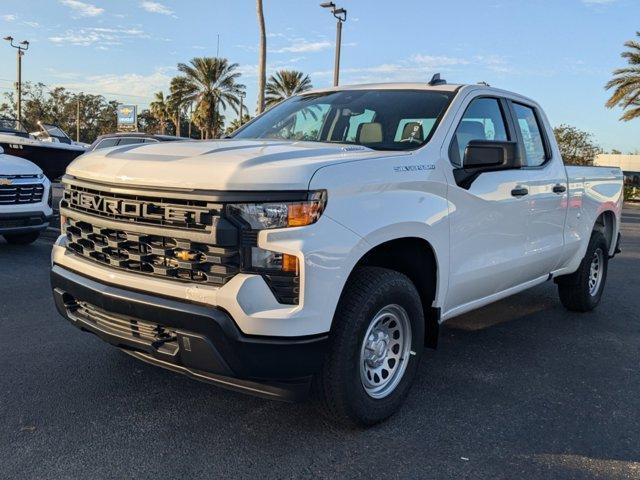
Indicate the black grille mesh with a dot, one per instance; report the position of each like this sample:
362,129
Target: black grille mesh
160,256
19,194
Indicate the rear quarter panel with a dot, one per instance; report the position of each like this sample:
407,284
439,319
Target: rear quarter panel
592,191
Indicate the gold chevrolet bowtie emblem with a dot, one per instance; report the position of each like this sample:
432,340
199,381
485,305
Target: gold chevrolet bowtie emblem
185,256
5,181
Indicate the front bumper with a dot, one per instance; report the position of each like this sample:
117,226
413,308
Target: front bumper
197,340
23,222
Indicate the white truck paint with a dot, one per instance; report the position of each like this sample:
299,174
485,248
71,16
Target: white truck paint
486,243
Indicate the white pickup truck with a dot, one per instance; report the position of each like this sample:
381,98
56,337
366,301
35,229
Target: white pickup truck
329,238
25,200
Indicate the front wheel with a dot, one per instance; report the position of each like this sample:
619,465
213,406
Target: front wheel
581,291
375,347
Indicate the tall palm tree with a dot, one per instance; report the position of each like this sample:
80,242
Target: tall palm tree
284,84
262,58
626,82
176,101
159,110
210,83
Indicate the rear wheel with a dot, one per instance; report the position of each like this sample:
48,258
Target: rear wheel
21,238
375,347
581,291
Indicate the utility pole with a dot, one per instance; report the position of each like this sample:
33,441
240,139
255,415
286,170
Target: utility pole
78,119
341,16
21,47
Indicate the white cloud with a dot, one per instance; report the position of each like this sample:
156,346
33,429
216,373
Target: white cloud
32,24
134,87
598,2
304,46
9,17
86,37
83,9
156,7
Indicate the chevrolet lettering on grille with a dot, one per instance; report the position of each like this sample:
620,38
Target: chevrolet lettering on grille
135,209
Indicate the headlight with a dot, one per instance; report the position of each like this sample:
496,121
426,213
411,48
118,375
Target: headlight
262,216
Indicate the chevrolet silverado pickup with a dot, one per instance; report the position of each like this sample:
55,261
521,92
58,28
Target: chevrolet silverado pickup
321,246
25,200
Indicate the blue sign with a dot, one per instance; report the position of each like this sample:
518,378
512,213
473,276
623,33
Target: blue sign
127,115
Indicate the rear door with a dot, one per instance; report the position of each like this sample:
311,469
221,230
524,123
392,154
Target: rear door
489,217
547,189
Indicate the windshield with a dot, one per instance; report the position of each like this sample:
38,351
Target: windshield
378,119
11,124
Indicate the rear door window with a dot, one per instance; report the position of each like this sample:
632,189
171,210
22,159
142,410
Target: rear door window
529,126
130,141
106,143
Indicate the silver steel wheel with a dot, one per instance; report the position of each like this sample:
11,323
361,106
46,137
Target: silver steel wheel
595,272
385,351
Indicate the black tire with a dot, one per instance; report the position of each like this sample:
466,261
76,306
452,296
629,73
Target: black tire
576,294
341,388
21,238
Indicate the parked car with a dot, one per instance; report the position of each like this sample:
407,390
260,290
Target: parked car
50,148
25,200
120,139
329,238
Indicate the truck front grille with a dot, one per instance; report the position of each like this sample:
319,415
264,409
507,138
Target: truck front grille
21,193
194,215
155,255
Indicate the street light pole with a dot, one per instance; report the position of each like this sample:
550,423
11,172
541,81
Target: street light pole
21,47
341,16
242,95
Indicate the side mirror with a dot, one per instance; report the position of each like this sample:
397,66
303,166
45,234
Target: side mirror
1,150
489,155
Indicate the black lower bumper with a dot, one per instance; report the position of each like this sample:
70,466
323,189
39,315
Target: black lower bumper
23,222
199,341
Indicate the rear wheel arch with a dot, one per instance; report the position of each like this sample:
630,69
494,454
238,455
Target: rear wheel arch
414,257
606,224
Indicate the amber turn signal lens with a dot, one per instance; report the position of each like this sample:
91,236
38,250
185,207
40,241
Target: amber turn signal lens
289,263
301,214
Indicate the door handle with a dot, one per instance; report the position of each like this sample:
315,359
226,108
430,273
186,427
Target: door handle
559,188
519,192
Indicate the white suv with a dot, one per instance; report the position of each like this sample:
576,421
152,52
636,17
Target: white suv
25,200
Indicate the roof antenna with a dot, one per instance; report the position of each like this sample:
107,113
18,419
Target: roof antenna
436,80
484,83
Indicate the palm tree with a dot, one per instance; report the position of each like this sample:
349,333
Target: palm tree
262,59
626,82
235,124
284,84
159,110
177,100
210,83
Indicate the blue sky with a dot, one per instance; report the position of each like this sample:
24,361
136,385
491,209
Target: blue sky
560,52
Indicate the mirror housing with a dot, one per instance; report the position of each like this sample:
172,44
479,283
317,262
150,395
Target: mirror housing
1,150
491,155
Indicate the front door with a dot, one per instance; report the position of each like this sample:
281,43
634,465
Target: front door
489,218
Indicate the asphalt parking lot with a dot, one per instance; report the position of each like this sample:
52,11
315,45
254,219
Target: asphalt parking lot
520,389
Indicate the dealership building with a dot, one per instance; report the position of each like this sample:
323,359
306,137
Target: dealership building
629,164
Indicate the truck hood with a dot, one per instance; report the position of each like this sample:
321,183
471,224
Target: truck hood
216,164
10,165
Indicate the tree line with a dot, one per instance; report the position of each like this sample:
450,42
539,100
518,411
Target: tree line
203,101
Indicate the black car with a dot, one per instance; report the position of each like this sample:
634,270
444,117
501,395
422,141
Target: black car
120,139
